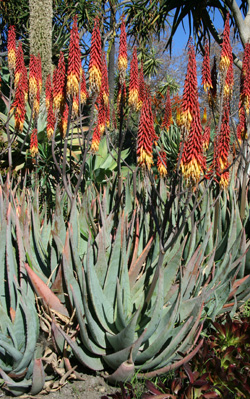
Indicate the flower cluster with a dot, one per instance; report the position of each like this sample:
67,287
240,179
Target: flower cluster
11,45
146,135
192,161
221,150
123,56
190,92
133,95
33,143
206,72
74,62
95,62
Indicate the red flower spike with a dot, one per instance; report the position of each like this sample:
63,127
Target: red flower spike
167,120
74,62
226,51
64,121
19,64
245,81
193,163
206,138
59,85
222,150
19,105
162,164
133,83
48,92
123,55
33,143
146,135
229,81
242,127
206,73
11,46
141,88
105,84
190,93
33,87
95,139
51,120
95,62
83,92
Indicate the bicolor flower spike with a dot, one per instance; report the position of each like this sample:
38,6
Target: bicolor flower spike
95,139
95,62
167,120
245,81
33,143
193,163
33,87
11,46
221,151
74,62
146,135
20,66
123,55
141,88
133,96
19,105
226,50
59,85
206,72
64,121
190,93
206,138
105,83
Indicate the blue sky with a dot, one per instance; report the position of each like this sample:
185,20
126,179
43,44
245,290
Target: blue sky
181,36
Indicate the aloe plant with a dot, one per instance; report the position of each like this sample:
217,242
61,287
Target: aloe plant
138,307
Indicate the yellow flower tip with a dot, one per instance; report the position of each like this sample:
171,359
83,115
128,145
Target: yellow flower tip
133,98
83,98
162,170
191,171
101,128
72,85
145,159
33,151
122,63
75,108
57,101
32,87
105,99
94,146
95,78
12,59
224,63
224,182
50,133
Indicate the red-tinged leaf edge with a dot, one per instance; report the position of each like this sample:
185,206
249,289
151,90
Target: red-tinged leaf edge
43,291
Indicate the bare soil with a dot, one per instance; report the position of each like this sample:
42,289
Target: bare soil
91,387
